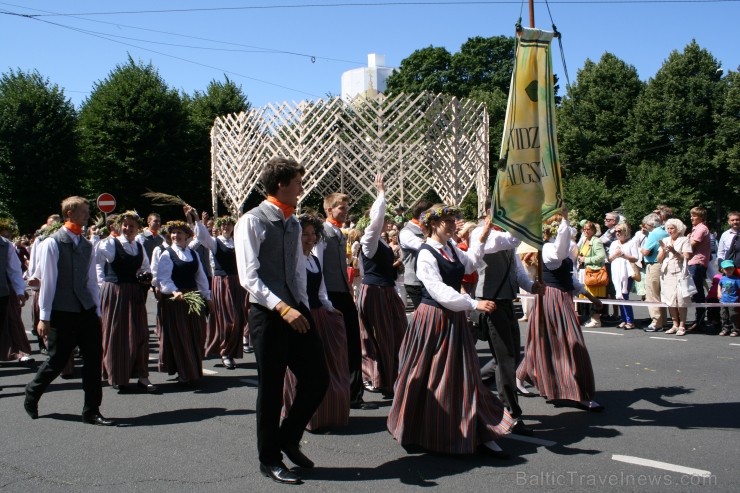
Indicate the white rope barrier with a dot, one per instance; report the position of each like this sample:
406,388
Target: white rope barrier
645,303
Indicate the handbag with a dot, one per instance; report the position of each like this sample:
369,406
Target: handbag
596,278
686,283
636,274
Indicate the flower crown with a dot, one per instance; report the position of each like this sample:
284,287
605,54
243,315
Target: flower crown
438,212
551,228
181,225
128,215
220,221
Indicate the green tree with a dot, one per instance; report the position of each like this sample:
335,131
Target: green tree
650,183
483,64
38,148
593,120
219,99
427,69
133,129
727,160
589,195
673,128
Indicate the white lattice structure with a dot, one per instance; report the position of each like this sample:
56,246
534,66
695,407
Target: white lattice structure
419,142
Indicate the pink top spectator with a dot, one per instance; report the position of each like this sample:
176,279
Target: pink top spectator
703,251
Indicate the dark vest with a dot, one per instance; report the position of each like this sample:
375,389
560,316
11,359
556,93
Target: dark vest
183,272
204,255
71,294
277,256
561,278
335,261
4,286
495,274
224,260
124,267
313,284
451,273
150,242
379,269
409,257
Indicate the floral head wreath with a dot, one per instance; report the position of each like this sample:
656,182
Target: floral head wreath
8,223
220,221
173,226
438,212
133,215
316,222
550,229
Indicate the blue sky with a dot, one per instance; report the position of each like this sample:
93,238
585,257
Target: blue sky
269,50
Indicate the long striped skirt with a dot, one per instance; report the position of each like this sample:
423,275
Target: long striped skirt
227,324
125,332
556,360
440,401
181,340
14,341
334,409
382,326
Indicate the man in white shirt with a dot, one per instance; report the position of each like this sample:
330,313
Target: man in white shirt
269,257
69,300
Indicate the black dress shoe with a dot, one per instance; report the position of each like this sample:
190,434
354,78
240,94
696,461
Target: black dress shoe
521,429
369,387
297,457
279,473
97,419
365,406
149,387
496,454
32,407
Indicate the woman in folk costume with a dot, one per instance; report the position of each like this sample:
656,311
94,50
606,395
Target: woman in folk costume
382,313
440,401
179,271
229,318
123,305
14,343
556,360
334,408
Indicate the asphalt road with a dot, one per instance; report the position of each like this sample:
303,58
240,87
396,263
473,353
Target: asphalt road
670,400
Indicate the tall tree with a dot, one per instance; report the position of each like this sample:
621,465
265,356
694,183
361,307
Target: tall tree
219,99
673,124
593,120
727,160
133,129
38,148
427,69
483,64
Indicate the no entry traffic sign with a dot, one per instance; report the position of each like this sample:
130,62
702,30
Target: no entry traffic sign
106,203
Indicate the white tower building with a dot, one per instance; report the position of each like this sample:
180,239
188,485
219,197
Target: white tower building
366,81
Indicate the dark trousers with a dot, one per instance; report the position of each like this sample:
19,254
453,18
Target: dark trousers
70,329
504,342
4,300
277,347
345,303
730,318
699,274
414,294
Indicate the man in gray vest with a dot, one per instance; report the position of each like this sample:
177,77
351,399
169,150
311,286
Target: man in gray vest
69,314
499,280
270,261
410,238
150,237
332,254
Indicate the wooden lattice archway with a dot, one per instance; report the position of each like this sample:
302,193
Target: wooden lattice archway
420,142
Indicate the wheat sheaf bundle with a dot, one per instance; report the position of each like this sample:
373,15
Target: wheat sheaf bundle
195,302
159,198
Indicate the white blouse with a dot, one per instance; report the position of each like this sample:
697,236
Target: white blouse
164,272
427,270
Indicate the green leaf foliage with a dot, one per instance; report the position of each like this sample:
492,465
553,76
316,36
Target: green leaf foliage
38,148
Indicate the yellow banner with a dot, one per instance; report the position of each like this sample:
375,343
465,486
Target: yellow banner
528,182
